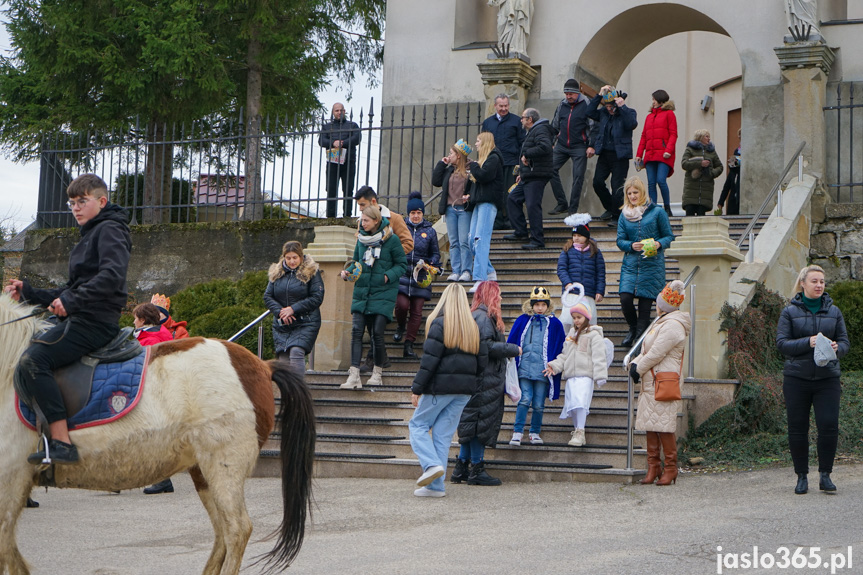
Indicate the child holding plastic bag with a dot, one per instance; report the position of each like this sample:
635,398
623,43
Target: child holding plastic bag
582,263
582,362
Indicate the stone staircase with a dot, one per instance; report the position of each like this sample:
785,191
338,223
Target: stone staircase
364,433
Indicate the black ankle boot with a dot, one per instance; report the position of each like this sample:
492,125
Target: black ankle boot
802,484
399,334
629,339
460,473
478,476
826,484
32,504
162,487
409,350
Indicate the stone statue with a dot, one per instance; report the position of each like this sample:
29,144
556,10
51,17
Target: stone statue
513,23
802,14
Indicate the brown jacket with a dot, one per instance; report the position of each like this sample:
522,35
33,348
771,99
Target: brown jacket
400,228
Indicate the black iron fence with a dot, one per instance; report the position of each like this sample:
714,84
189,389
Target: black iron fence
844,158
197,172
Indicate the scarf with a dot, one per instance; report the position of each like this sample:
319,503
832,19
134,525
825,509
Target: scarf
373,242
581,247
634,213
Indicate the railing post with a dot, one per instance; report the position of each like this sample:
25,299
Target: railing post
779,203
800,168
692,332
750,254
629,394
260,340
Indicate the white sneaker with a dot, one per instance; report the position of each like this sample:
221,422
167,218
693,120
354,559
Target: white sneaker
577,439
464,277
535,439
492,277
516,439
453,277
426,492
430,475
475,287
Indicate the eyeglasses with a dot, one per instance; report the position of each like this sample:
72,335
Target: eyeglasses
79,203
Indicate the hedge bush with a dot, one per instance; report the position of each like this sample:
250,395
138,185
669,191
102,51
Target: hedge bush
848,297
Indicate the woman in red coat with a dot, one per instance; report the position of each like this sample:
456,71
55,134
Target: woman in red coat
656,148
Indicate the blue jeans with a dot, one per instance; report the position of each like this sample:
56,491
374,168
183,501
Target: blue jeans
533,394
441,414
481,228
657,172
473,450
458,231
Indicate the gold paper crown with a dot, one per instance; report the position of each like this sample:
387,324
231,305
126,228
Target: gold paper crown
161,301
671,297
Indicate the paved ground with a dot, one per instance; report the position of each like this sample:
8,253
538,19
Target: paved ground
366,526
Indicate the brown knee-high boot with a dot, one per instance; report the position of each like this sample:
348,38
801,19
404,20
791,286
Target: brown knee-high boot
653,468
669,446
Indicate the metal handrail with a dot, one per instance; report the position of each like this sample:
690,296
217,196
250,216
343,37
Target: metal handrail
769,198
257,321
634,350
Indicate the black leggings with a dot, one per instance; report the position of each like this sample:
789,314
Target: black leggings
377,323
800,396
61,345
642,317
695,209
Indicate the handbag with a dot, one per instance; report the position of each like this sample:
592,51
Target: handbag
513,389
666,384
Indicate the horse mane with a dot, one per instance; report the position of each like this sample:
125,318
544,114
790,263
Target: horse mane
15,337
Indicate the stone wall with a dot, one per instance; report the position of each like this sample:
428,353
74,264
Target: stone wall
837,242
169,258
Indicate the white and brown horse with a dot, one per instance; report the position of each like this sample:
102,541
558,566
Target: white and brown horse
206,406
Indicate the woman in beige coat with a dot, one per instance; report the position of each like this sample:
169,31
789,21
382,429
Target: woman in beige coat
662,350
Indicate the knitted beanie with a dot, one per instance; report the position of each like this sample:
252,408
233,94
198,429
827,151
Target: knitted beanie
571,86
415,202
581,309
671,297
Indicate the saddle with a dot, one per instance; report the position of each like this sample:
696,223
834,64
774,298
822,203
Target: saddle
76,379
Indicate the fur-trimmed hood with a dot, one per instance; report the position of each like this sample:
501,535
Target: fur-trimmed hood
669,105
697,145
306,270
527,308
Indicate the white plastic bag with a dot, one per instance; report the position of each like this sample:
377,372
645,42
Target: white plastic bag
824,353
513,389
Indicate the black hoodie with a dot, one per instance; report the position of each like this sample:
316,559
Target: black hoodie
96,290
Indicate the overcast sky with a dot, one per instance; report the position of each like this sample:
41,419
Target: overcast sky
20,182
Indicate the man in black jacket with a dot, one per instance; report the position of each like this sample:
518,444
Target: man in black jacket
534,173
573,143
88,306
508,137
340,137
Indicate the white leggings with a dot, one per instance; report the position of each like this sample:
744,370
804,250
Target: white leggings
579,416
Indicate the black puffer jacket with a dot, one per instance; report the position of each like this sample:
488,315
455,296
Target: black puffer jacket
797,324
488,188
440,179
483,414
303,290
445,371
537,148
97,270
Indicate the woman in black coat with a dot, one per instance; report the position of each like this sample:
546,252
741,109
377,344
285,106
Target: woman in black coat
806,384
294,296
482,416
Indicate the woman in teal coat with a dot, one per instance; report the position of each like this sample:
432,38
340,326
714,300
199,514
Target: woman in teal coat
379,261
642,274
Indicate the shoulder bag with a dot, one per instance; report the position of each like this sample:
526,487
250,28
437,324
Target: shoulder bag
666,384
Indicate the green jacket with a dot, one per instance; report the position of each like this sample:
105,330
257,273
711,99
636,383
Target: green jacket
699,191
371,294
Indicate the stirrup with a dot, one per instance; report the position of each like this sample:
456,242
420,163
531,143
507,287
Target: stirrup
47,459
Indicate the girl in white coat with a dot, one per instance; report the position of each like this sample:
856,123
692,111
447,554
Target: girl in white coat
583,362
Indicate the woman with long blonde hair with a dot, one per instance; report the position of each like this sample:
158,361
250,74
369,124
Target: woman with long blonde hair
642,274
453,360
486,198
450,174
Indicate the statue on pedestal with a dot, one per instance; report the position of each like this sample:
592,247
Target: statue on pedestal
513,23
801,15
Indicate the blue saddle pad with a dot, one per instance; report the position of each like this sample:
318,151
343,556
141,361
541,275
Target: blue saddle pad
115,392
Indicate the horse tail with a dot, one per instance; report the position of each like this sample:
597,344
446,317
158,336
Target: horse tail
297,453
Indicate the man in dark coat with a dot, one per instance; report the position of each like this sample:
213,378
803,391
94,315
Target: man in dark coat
612,142
534,173
340,137
573,127
508,137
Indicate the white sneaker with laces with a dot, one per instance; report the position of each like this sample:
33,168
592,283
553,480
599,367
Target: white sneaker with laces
430,475
577,439
453,277
464,277
426,492
535,439
516,439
